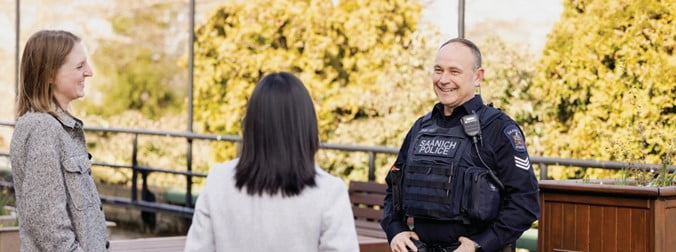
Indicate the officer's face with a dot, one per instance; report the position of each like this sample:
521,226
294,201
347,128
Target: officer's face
455,76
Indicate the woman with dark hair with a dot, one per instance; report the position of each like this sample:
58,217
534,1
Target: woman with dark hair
274,197
58,206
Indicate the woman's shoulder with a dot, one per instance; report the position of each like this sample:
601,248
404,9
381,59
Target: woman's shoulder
37,121
223,169
220,176
324,179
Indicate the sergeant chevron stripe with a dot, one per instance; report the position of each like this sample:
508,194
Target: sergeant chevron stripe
522,163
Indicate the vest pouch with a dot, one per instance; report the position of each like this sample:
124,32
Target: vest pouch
481,199
428,192
396,176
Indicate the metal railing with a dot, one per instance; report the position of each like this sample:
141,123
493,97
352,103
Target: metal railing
144,171
187,210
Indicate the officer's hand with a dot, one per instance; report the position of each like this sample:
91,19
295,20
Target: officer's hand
466,245
403,240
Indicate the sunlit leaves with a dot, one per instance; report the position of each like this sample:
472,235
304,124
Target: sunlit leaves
607,77
362,61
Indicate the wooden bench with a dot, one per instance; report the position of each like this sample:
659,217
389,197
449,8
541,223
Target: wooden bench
367,206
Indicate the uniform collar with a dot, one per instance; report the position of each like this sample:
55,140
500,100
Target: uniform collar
473,104
66,119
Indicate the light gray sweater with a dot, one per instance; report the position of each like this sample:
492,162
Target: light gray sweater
227,219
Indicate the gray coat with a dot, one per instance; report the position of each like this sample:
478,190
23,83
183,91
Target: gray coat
58,206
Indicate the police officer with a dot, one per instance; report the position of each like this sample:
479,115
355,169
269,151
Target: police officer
463,177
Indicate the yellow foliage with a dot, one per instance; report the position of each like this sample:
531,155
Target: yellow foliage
606,82
364,63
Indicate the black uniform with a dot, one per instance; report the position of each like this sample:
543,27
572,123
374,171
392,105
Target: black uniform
502,147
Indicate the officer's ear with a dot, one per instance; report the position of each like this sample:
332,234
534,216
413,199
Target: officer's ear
479,76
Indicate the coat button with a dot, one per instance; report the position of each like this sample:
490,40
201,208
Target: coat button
107,244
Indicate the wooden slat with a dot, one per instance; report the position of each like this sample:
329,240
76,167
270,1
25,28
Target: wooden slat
624,225
606,189
568,230
168,244
369,229
598,200
368,199
639,230
596,227
556,226
367,213
372,244
669,203
370,187
543,223
581,227
371,233
609,237
367,224
668,214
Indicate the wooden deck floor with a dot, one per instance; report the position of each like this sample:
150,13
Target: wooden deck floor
176,244
168,244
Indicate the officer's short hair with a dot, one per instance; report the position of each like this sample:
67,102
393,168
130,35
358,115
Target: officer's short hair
475,49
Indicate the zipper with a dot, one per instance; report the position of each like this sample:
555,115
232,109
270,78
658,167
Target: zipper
476,195
449,179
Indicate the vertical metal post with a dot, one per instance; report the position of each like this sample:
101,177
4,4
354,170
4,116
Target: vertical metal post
191,62
191,66
543,171
461,18
144,185
17,36
134,165
372,166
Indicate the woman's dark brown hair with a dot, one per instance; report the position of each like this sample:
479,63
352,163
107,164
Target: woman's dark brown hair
280,138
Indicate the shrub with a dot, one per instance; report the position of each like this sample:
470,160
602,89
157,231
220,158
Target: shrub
608,65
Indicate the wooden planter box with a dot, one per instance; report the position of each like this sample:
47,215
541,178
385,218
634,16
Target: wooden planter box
9,239
578,216
9,232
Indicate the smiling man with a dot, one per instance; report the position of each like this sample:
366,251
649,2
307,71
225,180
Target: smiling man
463,174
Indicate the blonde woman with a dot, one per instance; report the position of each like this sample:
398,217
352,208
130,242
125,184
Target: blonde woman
58,205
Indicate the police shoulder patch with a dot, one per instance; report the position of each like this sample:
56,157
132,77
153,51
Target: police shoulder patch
515,138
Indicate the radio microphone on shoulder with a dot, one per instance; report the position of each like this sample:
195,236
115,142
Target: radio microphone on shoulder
470,123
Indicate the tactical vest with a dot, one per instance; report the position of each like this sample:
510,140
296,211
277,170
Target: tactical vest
438,161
